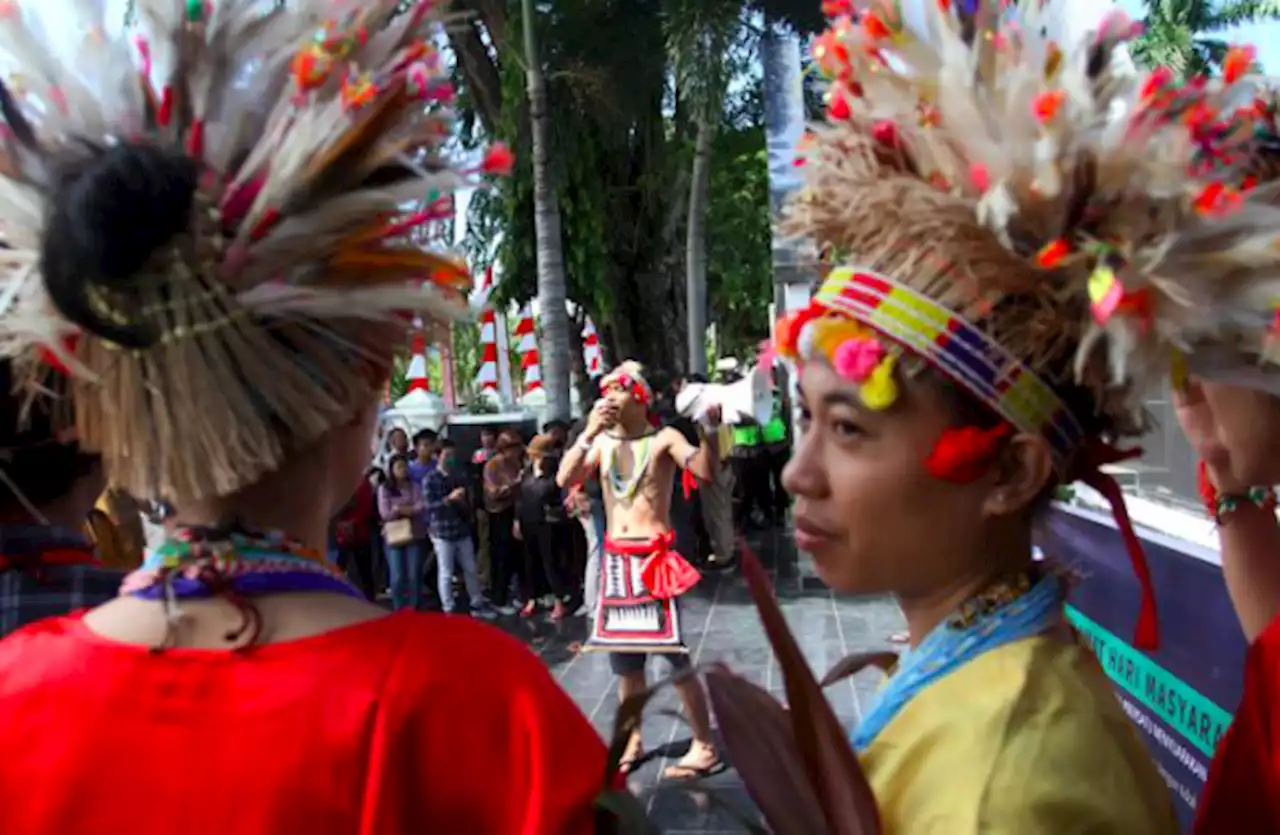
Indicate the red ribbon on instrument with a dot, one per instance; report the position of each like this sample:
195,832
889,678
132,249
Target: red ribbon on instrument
666,574
688,483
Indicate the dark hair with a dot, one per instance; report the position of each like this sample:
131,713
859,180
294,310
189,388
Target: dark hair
488,429
110,210
391,466
425,435
379,476
31,454
556,424
446,444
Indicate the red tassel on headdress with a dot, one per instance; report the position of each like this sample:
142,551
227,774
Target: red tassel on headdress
1092,459
964,453
49,358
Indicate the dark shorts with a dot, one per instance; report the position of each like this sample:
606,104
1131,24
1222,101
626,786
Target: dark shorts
630,663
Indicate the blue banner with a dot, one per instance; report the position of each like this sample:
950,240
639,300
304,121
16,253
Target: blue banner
1181,697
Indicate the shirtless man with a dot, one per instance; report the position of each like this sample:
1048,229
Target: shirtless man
641,576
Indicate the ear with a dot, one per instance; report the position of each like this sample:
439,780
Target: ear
1024,469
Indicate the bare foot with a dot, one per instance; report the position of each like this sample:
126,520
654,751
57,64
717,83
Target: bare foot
631,754
702,761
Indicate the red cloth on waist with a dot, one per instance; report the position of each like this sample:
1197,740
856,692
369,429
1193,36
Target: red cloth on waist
665,573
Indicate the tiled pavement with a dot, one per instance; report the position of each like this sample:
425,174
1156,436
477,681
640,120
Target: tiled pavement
720,624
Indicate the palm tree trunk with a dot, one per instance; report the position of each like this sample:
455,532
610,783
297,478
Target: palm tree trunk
696,238
546,221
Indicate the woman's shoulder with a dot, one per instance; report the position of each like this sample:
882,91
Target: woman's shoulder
449,640
1026,738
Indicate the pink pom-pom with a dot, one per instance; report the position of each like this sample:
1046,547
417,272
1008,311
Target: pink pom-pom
855,359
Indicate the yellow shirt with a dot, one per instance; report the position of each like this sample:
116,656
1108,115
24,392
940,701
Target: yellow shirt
724,442
1026,739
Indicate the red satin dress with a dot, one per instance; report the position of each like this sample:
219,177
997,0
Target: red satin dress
407,725
1242,795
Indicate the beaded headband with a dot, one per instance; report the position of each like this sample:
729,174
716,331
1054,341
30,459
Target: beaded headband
629,375
960,350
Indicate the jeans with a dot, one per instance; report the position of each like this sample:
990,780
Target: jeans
404,562
457,553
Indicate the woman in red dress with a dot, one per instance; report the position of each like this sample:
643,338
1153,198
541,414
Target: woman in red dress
206,246
1237,434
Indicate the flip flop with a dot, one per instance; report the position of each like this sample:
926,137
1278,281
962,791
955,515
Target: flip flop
632,758
679,772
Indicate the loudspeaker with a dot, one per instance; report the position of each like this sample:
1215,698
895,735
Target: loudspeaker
749,398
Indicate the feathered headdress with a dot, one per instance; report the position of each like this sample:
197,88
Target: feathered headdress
208,221
1032,218
1028,216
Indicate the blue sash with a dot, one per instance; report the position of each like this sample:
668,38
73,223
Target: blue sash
946,649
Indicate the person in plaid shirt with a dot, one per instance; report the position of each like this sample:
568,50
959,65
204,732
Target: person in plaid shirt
444,491
47,488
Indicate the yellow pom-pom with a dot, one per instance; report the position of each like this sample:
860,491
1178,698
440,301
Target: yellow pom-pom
880,391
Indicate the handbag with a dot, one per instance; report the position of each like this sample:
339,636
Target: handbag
398,532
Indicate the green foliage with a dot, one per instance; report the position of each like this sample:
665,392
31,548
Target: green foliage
739,267
1180,33
621,90
399,379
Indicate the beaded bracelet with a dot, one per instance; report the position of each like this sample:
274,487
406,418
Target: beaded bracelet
1220,505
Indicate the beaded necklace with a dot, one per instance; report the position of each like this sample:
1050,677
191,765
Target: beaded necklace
624,489
1010,610
237,564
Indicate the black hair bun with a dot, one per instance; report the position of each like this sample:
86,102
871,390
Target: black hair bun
109,212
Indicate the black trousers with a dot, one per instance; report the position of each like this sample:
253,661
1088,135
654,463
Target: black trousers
546,552
358,559
502,555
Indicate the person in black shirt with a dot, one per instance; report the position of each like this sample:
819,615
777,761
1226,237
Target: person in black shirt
542,522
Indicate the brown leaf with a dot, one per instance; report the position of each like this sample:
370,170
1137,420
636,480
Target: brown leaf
625,722
843,793
762,747
853,664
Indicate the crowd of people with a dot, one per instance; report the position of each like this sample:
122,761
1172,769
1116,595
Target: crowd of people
423,522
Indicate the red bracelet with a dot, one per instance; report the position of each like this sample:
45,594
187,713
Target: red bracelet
1220,505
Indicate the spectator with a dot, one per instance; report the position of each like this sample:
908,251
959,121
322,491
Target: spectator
445,495
488,448
557,431
542,524
401,507
47,564
397,444
424,461
354,527
587,502
501,481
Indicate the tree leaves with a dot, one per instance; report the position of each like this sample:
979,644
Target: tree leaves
1176,31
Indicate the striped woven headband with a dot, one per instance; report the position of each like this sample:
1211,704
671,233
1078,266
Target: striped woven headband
963,352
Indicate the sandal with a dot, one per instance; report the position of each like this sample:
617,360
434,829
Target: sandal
700,762
632,755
